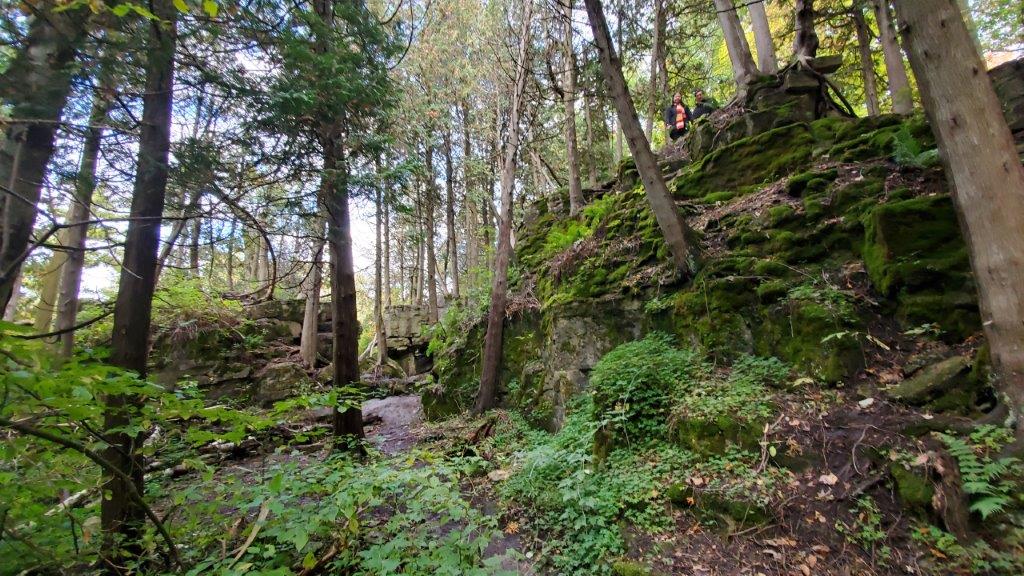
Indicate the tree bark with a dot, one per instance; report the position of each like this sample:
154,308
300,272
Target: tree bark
428,208
387,254
618,127
469,204
348,423
867,63
743,68
120,516
576,201
487,395
985,175
805,41
231,256
34,88
378,279
12,304
49,278
591,153
309,337
453,245
766,60
899,83
669,220
657,60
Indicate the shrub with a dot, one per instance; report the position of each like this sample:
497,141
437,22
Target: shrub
634,384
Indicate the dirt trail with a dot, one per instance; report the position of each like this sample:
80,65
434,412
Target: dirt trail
395,424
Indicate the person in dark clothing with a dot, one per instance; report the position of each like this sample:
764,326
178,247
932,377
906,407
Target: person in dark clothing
702,106
677,117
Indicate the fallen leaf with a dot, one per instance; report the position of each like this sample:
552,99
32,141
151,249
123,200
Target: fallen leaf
829,479
498,475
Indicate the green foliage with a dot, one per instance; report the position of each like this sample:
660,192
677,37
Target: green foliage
838,303
576,505
182,302
563,236
866,529
743,395
992,482
908,151
382,517
660,304
977,557
634,385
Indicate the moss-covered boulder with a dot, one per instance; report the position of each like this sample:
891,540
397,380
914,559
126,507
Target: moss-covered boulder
718,508
913,486
915,253
932,382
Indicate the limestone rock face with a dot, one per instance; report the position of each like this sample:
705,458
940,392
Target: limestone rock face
1008,81
278,381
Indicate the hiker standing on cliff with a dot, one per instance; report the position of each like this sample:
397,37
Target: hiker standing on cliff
702,105
677,117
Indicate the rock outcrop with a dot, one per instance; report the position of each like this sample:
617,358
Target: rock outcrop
822,236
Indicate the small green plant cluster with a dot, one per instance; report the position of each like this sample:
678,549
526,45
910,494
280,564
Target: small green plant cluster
564,235
635,383
866,529
660,304
379,517
737,474
577,505
908,151
743,395
992,482
838,303
977,557
186,300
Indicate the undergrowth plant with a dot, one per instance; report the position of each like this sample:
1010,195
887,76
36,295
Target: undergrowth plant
385,516
577,505
991,481
635,383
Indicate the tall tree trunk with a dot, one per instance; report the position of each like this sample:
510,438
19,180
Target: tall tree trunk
34,88
972,25
348,423
344,319
657,49
899,83
743,68
193,246
387,255
231,256
669,220
867,63
766,60
428,208
618,124
591,153
378,280
805,41
469,204
985,175
50,285
487,395
453,245
120,517
576,201
12,304
309,337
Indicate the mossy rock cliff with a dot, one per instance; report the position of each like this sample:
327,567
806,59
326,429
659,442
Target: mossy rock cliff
813,236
